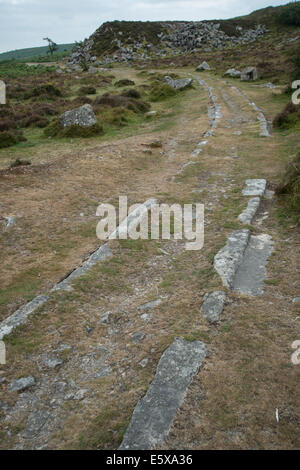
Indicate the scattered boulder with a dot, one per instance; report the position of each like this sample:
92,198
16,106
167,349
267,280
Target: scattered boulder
249,74
213,305
83,116
178,84
233,73
204,66
21,384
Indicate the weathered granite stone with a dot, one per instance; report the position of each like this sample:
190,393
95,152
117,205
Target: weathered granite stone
83,116
249,74
255,187
228,259
247,215
252,270
36,420
52,362
178,84
153,416
233,73
213,305
138,337
149,305
203,66
22,383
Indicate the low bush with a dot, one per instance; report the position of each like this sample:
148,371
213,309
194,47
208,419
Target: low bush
289,15
87,90
161,92
45,91
132,93
124,82
117,101
288,118
8,138
289,189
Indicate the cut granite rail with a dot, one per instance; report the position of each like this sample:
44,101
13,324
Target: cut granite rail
214,114
241,264
102,253
154,414
264,125
257,188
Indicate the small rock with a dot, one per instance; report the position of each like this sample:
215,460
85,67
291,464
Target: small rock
296,300
145,317
144,362
213,305
105,318
52,362
79,395
138,337
203,66
149,305
22,384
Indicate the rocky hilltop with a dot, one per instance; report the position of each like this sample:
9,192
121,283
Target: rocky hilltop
121,41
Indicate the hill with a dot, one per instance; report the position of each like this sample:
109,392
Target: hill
33,52
133,40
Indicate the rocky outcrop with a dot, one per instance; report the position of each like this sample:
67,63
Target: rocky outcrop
156,39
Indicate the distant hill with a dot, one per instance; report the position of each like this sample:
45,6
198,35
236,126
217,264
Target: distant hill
33,52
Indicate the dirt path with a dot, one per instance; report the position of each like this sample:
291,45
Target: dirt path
93,351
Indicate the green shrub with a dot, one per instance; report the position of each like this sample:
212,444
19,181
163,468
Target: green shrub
117,101
289,15
7,139
289,189
124,82
87,90
118,117
161,92
46,90
132,93
54,129
288,118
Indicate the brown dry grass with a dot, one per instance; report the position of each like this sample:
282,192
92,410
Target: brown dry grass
248,373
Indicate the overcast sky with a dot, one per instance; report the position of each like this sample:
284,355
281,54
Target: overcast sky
23,23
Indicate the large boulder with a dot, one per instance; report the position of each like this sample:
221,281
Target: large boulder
249,74
83,117
232,73
178,84
204,66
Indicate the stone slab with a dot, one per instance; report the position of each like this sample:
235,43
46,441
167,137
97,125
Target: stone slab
228,259
153,416
251,272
